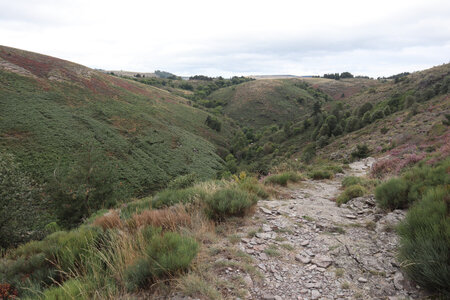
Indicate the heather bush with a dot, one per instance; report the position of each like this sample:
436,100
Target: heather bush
283,178
392,194
229,202
425,241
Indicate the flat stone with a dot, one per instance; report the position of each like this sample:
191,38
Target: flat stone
315,294
398,280
362,279
263,235
248,281
263,256
245,240
266,228
265,210
268,297
303,259
322,261
278,298
350,217
304,243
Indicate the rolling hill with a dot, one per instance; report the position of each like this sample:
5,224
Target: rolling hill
50,109
265,102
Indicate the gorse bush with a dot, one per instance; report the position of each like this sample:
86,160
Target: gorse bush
252,185
401,192
283,178
351,180
392,194
229,202
352,191
425,241
171,197
166,255
182,182
320,174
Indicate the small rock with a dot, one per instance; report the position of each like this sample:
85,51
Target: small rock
350,217
398,280
265,210
263,256
268,297
248,281
245,240
362,279
304,243
278,298
315,294
266,228
303,259
263,235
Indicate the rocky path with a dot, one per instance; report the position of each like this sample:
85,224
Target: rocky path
308,248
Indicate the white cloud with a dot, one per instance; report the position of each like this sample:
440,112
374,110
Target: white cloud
234,37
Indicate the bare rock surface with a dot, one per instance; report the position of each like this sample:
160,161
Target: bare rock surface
345,252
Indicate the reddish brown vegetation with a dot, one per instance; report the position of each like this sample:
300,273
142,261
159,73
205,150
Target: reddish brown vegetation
7,291
108,221
168,218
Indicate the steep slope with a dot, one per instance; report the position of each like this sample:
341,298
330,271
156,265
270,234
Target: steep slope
268,101
50,109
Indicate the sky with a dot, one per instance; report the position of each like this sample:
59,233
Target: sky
227,38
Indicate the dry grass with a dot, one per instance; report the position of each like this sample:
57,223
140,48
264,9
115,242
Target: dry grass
109,220
171,218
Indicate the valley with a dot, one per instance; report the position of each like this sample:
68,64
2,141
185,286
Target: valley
118,186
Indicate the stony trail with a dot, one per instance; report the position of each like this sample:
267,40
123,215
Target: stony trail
309,248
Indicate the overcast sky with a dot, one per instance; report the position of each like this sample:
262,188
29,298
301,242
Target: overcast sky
375,38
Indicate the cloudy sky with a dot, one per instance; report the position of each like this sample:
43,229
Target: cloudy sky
375,38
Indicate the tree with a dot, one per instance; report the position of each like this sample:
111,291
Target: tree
366,119
346,75
316,108
324,130
331,121
352,124
213,123
86,186
337,130
364,108
379,114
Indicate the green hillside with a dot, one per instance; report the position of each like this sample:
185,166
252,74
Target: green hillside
260,103
57,118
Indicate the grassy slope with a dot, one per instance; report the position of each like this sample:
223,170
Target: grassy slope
49,108
264,102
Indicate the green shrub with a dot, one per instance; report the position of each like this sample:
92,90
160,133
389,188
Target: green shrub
229,202
138,274
352,191
167,255
392,194
422,177
283,178
425,241
362,151
252,185
182,182
70,289
351,180
135,207
320,174
171,197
